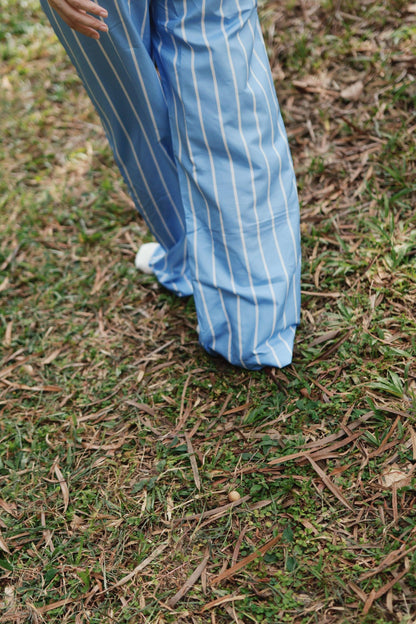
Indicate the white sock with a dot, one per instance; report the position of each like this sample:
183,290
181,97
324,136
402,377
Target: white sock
143,257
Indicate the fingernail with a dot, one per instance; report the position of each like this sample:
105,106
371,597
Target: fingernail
104,27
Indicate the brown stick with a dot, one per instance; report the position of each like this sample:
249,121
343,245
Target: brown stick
327,481
189,582
245,561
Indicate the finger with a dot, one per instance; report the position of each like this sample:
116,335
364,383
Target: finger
89,7
85,30
77,19
89,32
79,27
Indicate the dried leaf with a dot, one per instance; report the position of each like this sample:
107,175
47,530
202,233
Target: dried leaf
100,278
169,507
194,466
3,545
413,438
142,407
9,597
10,508
137,569
329,484
362,595
220,601
51,357
6,84
238,546
240,408
329,335
375,595
223,509
353,92
61,603
63,486
394,475
189,582
77,523
5,372
31,388
390,560
7,340
245,561
5,283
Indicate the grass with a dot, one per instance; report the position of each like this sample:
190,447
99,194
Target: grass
120,439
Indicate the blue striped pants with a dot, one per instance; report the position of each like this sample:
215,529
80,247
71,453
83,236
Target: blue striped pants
185,94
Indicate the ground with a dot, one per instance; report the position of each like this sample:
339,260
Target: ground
120,438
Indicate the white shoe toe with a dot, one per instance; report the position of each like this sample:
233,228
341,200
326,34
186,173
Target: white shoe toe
143,257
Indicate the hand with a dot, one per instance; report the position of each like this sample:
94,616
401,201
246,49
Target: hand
75,13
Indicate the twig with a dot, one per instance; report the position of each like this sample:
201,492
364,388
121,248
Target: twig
245,561
189,582
238,546
62,484
383,445
220,601
192,459
61,603
375,595
329,484
137,569
212,512
320,445
329,295
390,560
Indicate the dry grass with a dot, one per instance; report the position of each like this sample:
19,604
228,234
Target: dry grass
120,439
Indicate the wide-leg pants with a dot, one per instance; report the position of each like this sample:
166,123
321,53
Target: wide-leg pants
187,101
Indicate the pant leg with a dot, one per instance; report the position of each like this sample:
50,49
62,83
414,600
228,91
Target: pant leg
122,82
236,177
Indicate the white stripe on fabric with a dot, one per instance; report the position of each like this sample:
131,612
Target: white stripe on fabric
254,194
156,129
260,137
103,113
269,203
145,18
134,111
127,136
191,201
143,213
233,179
124,167
208,212
216,194
122,126
139,74
272,87
273,94
253,185
195,179
215,185
185,262
282,134
285,343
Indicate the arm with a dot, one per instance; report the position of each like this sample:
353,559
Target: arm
75,13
